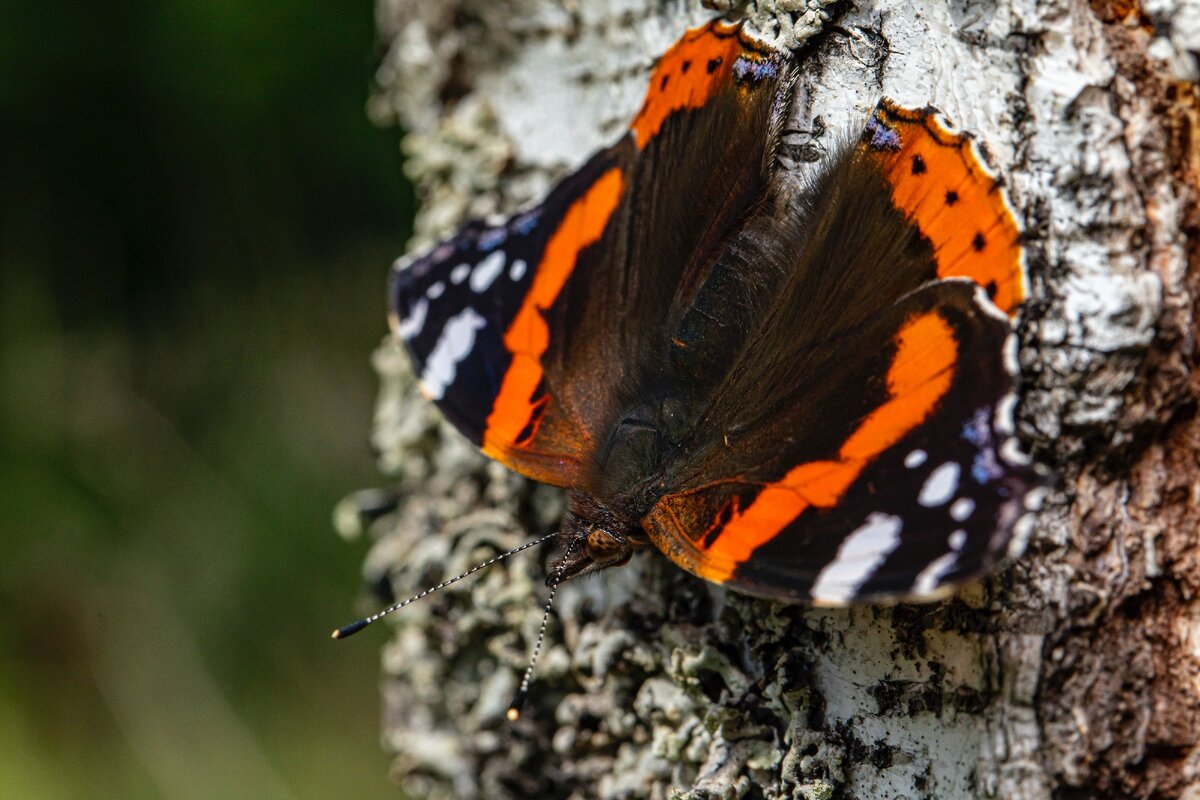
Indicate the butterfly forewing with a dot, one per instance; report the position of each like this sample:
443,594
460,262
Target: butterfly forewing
532,359
859,443
454,306
914,491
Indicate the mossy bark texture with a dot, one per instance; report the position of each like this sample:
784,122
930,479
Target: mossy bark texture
1073,674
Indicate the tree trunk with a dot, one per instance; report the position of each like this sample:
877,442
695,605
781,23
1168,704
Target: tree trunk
1076,673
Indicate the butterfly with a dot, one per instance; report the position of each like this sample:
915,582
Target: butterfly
801,390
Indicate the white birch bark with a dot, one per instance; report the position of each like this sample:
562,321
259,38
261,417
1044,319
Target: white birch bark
1076,673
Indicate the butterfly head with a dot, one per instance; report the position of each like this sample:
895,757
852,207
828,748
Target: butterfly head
593,538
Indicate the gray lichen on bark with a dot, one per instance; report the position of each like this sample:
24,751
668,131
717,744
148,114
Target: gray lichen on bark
1072,674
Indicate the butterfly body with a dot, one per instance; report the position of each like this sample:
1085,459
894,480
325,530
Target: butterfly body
800,391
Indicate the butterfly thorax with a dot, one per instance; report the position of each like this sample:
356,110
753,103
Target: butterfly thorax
603,525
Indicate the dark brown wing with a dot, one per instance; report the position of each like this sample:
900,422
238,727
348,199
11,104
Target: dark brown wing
529,359
856,442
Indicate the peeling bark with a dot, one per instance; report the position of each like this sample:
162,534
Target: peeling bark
1076,673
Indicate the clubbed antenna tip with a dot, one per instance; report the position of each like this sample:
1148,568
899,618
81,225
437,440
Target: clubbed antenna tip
350,630
514,708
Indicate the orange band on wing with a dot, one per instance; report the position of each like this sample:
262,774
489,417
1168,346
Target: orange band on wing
528,337
918,378
687,75
920,375
939,182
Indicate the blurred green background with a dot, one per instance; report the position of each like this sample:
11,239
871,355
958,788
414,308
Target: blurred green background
196,224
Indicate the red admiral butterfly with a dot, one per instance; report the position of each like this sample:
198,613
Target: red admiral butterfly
800,391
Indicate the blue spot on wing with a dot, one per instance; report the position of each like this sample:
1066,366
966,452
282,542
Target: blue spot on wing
489,240
880,136
744,68
525,223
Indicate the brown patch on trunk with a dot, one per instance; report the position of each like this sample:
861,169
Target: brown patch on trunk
1110,11
1122,683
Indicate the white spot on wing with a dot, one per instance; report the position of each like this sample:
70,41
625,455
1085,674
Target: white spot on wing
453,345
915,459
487,271
517,270
1012,362
857,559
1021,533
940,486
962,509
1034,498
1011,453
435,291
1005,414
411,325
930,578
988,305
460,273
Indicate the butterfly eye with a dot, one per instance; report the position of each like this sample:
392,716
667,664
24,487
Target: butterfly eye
602,545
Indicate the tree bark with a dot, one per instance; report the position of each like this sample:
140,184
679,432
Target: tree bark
1075,673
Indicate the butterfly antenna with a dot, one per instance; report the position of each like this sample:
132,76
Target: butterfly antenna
355,627
514,708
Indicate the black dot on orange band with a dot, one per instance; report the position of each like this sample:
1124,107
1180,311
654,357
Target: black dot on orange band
951,197
978,242
686,66
713,63
991,289
663,83
918,165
